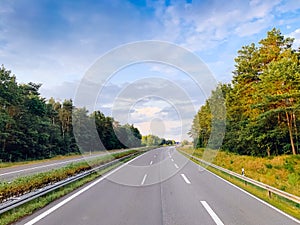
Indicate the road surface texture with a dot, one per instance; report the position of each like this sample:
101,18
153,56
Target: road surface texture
13,172
159,187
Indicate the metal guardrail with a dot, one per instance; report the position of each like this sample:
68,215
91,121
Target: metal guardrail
266,187
6,206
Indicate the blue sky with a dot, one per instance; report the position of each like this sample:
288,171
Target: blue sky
54,42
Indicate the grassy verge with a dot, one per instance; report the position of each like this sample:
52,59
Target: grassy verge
59,157
32,162
283,204
27,184
281,172
30,207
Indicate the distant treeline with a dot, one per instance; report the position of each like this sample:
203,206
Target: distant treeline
153,140
33,128
262,102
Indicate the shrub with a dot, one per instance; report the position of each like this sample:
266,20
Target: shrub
269,166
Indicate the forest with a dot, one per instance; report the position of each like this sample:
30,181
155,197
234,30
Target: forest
32,127
262,101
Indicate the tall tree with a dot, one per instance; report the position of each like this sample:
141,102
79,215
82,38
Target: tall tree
262,106
280,88
10,101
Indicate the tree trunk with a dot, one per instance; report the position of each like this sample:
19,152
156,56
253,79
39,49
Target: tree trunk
289,123
62,131
269,151
296,132
3,145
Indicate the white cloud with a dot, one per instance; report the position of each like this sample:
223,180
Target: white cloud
56,47
66,90
296,35
6,8
57,54
51,47
164,69
166,128
253,27
145,113
200,27
288,6
260,9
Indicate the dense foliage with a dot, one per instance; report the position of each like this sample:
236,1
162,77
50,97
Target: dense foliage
33,128
262,102
153,140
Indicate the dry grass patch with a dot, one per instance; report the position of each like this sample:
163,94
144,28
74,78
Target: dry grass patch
282,172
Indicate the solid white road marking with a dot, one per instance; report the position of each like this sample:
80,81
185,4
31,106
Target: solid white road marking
151,162
54,164
212,213
144,179
247,193
185,179
49,211
177,167
44,166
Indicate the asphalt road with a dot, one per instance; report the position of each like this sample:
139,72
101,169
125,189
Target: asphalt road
13,172
159,187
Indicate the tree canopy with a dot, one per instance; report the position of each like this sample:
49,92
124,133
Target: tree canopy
32,127
262,101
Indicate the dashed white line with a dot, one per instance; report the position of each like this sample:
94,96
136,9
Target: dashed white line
172,160
65,201
185,179
144,179
177,167
256,198
212,213
151,162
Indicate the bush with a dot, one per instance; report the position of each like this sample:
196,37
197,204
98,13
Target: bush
269,166
288,165
293,178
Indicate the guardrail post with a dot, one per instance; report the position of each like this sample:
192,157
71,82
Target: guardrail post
269,193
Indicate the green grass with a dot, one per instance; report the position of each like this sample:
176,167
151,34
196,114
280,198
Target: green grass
279,202
32,162
281,172
26,184
32,206
58,157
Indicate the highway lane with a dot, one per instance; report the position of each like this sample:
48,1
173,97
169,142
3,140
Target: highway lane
152,190
13,172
